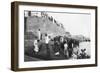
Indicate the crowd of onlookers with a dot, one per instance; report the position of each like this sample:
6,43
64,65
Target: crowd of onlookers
61,45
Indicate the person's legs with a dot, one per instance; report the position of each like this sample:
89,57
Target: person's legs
70,52
67,53
48,51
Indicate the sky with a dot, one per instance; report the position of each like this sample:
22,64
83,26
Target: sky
75,23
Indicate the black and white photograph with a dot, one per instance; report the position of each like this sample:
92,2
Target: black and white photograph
52,35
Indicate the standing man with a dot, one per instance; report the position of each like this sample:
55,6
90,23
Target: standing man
39,34
70,48
47,39
66,53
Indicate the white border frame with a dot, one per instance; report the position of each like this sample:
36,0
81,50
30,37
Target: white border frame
34,64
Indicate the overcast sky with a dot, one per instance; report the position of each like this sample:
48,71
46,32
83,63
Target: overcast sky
76,24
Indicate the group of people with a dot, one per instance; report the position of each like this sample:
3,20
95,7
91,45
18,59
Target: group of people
61,45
